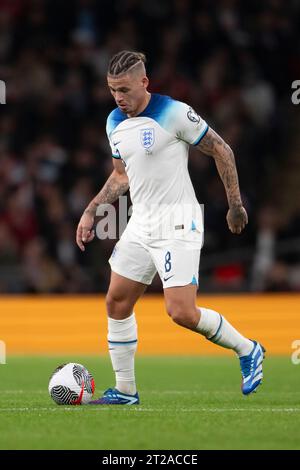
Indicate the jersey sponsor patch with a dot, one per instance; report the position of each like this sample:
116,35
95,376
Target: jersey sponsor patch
193,116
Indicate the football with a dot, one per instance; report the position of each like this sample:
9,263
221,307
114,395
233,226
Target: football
71,384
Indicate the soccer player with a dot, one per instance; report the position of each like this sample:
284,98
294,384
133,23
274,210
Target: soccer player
149,135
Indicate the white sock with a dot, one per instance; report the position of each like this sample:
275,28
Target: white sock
217,329
122,344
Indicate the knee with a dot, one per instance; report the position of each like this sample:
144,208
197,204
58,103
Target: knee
117,306
110,302
183,315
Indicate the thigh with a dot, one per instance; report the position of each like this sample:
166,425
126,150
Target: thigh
183,298
130,259
176,263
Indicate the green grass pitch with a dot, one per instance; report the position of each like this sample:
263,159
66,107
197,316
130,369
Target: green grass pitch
186,403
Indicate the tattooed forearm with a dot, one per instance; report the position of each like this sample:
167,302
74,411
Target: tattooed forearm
212,144
115,186
225,164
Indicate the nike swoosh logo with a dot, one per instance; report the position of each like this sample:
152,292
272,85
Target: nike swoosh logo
167,278
116,143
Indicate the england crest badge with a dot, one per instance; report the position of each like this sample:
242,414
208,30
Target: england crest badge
147,139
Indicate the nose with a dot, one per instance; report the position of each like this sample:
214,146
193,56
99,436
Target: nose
119,98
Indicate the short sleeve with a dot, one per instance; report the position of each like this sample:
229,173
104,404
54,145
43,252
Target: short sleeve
189,126
114,151
111,124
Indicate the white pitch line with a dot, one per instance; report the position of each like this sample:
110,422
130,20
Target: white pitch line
154,410
221,410
153,392
17,392
9,410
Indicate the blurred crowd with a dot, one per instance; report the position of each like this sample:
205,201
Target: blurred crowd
232,60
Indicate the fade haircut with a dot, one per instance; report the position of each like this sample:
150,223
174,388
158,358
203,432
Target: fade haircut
124,62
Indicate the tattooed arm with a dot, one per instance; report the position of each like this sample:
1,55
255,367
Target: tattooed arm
212,144
116,185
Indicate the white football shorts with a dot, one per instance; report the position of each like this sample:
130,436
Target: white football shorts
175,260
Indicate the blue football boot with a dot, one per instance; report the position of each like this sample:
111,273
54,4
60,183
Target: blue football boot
251,367
112,396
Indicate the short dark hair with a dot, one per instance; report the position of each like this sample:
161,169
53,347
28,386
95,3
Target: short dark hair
123,61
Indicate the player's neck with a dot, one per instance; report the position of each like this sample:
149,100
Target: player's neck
142,106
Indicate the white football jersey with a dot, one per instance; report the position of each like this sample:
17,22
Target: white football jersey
154,149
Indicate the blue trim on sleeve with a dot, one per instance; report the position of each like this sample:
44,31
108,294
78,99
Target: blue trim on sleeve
114,119
117,157
201,136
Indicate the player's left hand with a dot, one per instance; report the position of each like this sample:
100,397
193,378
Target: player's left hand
237,218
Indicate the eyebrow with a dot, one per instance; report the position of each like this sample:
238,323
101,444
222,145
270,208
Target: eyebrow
119,88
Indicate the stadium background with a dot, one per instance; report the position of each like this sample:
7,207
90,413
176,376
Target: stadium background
234,61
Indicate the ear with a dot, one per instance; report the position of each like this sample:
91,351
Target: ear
145,82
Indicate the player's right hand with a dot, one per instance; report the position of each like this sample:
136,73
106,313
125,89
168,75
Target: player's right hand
237,218
84,233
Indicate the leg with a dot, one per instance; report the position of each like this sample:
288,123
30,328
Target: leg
181,306
132,271
178,266
122,295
